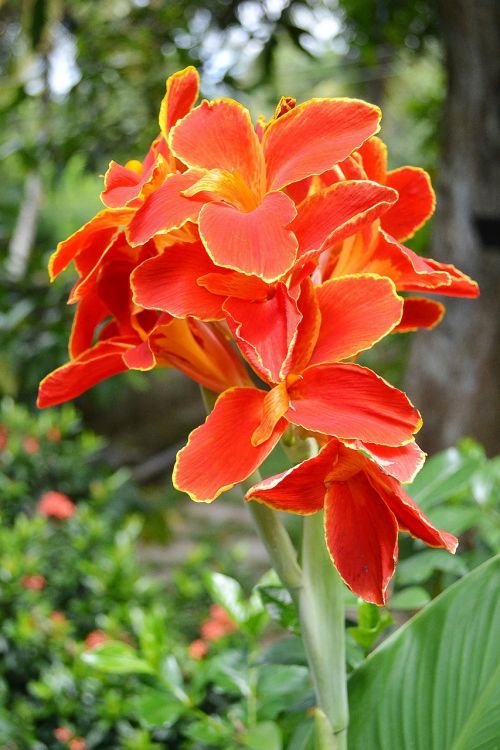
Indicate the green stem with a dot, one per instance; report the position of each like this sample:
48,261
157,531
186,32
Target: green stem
322,618
277,543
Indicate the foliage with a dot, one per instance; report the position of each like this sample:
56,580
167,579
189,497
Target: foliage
439,675
51,452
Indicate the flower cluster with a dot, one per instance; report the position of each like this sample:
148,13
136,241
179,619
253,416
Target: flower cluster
261,260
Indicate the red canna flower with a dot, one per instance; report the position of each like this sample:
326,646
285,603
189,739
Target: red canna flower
364,509
234,185
313,388
56,505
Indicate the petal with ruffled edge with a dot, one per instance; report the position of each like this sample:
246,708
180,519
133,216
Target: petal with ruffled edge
460,285
181,93
300,489
373,154
220,135
409,516
98,232
307,330
256,242
361,536
415,204
103,361
265,330
420,312
314,136
166,209
90,311
356,312
219,454
351,402
169,282
128,185
339,211
402,462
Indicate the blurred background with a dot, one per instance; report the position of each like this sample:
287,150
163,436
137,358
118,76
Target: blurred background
82,81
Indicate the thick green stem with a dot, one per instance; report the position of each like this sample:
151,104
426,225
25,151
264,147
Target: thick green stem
322,617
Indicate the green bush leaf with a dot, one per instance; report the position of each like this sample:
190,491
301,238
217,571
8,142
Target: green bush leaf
263,736
156,708
228,593
443,476
116,658
439,675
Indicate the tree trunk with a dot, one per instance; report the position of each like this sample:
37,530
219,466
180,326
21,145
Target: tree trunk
454,371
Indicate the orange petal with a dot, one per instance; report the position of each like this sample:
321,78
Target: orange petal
373,154
415,204
314,136
220,135
219,454
351,402
356,312
409,516
201,351
460,284
103,361
307,330
265,330
129,185
98,232
90,311
402,462
339,211
301,489
362,537
181,93
169,282
420,312
140,357
275,406
233,284
166,209
257,242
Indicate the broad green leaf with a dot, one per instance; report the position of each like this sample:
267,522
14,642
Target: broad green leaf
278,603
266,735
117,658
303,736
435,683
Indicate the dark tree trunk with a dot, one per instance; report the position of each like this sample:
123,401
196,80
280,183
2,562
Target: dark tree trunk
454,372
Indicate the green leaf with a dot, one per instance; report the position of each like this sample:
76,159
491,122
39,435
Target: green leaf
279,686
228,593
156,708
439,675
266,735
116,658
419,567
413,597
303,736
443,476
278,603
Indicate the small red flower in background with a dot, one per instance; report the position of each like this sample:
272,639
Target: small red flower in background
31,445
63,734
4,437
198,649
56,505
34,582
96,638
218,624
77,743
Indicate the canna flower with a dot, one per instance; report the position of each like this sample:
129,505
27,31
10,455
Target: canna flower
56,505
313,388
364,508
234,184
